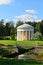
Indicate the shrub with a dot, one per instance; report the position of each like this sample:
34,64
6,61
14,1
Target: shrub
13,37
38,36
5,37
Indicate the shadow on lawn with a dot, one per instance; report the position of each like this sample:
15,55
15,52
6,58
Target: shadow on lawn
20,51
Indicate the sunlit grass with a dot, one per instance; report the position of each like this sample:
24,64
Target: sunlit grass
12,42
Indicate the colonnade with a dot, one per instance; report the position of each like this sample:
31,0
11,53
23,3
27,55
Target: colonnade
24,35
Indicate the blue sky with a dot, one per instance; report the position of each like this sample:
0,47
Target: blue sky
24,10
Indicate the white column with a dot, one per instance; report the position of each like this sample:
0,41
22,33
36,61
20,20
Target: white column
17,35
26,35
22,35
29,35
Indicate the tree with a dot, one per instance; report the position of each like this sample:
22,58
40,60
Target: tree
41,27
2,27
19,23
38,27
34,25
9,27
29,22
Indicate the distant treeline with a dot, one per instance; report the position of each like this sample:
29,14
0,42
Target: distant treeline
9,28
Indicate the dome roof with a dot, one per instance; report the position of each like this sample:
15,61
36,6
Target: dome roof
24,26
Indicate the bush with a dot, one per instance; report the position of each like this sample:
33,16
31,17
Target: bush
13,37
5,37
37,36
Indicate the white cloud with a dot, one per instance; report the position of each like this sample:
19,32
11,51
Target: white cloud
5,1
25,17
38,20
31,11
7,20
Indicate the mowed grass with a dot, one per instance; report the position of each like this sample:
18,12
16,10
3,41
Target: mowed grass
7,42
19,62
30,43
12,42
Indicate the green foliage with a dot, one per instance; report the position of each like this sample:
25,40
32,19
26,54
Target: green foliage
39,27
9,27
6,29
38,36
19,23
2,27
5,37
12,37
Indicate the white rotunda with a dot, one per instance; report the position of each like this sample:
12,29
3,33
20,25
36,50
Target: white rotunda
25,32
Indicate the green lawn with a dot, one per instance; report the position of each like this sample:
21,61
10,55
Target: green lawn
19,62
30,42
12,42
7,42
7,61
